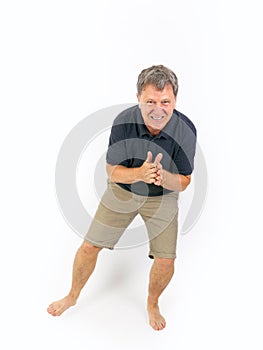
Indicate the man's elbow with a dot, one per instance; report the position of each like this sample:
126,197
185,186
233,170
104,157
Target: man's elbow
109,170
185,181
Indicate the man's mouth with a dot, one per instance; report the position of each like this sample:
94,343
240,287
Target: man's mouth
157,118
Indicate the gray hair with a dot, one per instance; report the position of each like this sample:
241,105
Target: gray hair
159,76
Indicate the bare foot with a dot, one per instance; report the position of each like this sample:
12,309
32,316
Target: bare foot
155,318
58,307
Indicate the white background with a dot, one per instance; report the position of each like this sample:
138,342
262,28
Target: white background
63,60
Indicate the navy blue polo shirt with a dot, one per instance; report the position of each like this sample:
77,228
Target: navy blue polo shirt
130,140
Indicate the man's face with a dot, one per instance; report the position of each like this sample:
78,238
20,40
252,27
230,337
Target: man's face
156,107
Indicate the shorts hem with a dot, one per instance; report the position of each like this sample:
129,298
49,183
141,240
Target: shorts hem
95,244
153,255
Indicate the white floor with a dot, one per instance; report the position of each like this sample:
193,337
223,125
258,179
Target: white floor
212,301
64,60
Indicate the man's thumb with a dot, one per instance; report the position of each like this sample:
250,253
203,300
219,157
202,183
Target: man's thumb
158,158
149,157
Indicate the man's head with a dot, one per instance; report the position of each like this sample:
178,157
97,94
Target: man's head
157,88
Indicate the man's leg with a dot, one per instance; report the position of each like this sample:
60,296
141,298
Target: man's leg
112,217
161,273
84,264
160,215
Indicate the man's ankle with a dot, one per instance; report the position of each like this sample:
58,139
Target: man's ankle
152,302
73,295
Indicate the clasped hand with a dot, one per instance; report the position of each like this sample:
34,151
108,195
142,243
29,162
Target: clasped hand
152,172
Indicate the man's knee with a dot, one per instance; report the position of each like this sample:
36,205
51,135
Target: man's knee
89,248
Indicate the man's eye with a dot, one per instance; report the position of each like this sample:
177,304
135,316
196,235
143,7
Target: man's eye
149,102
166,103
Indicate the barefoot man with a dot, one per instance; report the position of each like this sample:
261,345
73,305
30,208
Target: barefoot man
150,160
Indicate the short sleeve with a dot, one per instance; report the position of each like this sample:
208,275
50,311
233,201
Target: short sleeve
116,153
184,159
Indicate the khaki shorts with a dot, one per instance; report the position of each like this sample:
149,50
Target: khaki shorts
119,207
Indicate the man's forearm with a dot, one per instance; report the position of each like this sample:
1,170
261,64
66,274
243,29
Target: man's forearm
175,182
122,174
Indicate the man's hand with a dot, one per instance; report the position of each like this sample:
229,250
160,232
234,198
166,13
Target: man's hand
147,172
152,172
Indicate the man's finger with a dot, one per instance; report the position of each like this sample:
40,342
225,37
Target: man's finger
158,166
149,157
158,158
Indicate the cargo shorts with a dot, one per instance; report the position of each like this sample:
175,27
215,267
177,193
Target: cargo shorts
118,208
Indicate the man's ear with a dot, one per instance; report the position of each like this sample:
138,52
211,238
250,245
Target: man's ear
175,100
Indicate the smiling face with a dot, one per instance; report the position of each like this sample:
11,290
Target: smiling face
156,107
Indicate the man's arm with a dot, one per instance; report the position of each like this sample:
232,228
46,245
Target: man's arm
122,174
151,173
172,182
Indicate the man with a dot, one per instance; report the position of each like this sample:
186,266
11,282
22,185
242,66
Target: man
149,161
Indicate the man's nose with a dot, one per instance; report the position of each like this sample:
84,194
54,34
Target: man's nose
157,108
158,104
